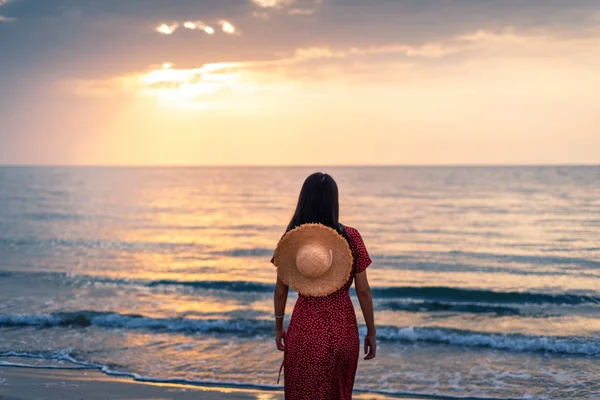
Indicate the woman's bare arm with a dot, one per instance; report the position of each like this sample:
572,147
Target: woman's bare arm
363,291
280,299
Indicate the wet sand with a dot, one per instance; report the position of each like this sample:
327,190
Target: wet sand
46,384
86,384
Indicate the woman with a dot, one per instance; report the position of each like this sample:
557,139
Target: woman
321,344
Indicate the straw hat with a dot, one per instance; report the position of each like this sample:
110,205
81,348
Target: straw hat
313,259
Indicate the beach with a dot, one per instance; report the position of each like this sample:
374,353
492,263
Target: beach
36,384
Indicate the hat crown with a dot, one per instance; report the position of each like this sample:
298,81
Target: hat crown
313,260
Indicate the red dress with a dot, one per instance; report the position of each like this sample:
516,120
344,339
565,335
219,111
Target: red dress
322,345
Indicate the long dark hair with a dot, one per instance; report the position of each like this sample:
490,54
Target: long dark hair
318,202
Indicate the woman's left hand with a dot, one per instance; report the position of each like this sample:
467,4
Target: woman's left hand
370,347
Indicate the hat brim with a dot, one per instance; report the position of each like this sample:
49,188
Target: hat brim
335,277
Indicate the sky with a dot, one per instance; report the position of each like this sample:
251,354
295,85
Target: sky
299,82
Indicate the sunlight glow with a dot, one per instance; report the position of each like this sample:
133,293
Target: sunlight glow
187,86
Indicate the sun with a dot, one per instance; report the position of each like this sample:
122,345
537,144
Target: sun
187,87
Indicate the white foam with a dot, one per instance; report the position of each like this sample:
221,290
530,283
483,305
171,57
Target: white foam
514,342
576,345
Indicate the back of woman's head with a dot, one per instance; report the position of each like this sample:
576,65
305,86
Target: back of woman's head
317,203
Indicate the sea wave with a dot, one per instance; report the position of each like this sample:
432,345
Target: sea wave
116,245
82,319
572,345
506,259
436,306
483,296
231,286
430,293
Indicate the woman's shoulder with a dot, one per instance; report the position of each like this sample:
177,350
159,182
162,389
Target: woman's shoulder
351,232
361,256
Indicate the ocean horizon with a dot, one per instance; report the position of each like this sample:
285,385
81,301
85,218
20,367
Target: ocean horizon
316,166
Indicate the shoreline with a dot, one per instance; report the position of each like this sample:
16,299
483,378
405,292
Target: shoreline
91,384
18,383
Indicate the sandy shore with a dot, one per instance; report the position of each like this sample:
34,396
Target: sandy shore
47,384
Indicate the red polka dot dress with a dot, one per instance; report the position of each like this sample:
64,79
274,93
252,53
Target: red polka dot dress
322,344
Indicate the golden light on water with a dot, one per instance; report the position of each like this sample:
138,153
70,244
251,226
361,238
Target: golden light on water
266,396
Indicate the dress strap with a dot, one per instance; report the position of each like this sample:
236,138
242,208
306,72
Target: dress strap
280,368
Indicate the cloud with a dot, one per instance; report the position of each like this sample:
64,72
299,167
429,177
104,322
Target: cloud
2,17
167,28
261,14
224,81
273,3
491,43
166,82
427,50
290,7
228,28
100,88
199,25
170,28
302,11
488,58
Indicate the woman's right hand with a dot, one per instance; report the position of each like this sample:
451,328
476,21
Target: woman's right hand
280,339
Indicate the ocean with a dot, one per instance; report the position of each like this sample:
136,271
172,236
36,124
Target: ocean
486,280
